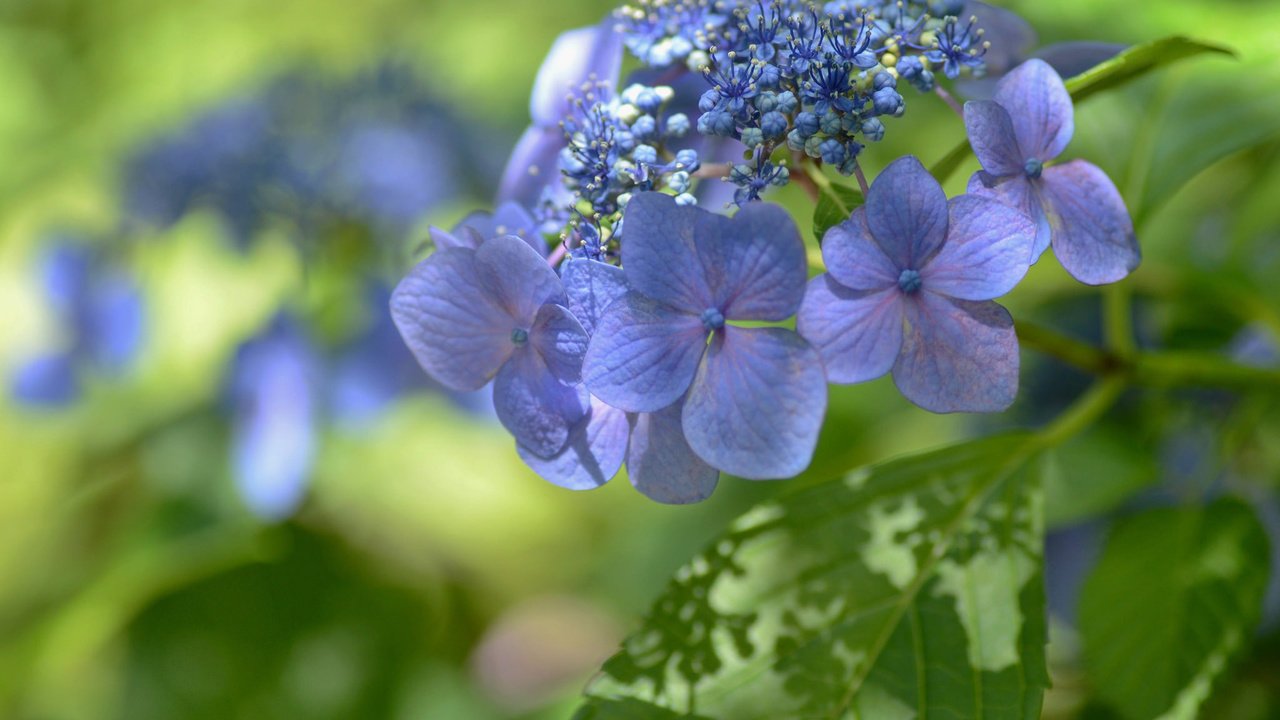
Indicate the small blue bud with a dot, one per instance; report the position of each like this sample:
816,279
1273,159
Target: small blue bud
787,102
709,100
752,137
679,181
832,151
519,336
648,100
770,76
909,281
686,199
1033,168
830,123
712,319
887,101
807,124
645,154
883,80
716,122
795,141
678,125
813,146
773,124
644,127
688,160
625,141
766,102
873,129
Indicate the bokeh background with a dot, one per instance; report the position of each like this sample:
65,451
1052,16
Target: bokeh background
227,492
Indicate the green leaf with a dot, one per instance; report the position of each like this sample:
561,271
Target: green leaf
1129,65
628,709
910,589
1173,599
835,205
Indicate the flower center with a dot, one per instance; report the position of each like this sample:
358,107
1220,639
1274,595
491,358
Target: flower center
909,281
712,319
519,336
1032,168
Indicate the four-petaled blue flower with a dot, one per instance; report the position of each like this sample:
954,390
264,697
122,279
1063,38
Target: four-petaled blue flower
754,398
498,313
1075,205
909,283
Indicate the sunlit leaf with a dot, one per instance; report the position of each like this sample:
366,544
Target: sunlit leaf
835,205
911,589
1129,65
1173,600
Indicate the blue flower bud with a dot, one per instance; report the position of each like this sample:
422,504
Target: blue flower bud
887,101
830,123
909,67
807,124
883,80
770,76
645,127
832,151
766,102
688,160
795,141
716,122
678,125
752,137
645,154
625,141
648,100
787,102
813,146
686,199
679,181
709,100
873,129
773,124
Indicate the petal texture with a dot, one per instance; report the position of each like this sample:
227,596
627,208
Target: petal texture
643,354
447,313
854,258
592,455
660,254
533,165
577,56
560,340
1018,193
591,287
907,212
521,279
991,134
1040,107
987,252
535,406
660,462
756,263
858,333
958,356
1092,233
756,405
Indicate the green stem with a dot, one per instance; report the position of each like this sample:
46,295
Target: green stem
1067,349
1117,320
1083,412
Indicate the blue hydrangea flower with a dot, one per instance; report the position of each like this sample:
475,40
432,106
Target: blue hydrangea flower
754,398
497,313
273,383
510,218
908,289
589,56
659,461
1075,205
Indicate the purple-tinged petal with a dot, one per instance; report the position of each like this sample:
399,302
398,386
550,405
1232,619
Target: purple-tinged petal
1040,107
987,253
46,381
757,403
510,218
1069,59
660,252
462,237
643,354
589,54
535,406
991,134
858,333
660,463
533,165
907,212
111,324
957,355
854,258
559,338
523,280
593,454
1018,193
757,263
591,287
1011,36
447,312
1092,233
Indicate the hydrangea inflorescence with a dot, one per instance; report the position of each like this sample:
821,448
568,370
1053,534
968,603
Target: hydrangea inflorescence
663,343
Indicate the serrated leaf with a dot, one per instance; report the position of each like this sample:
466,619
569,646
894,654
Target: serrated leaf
1172,600
1129,65
911,589
835,204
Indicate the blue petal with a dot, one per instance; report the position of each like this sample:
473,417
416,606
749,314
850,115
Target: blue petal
858,333
591,287
1040,108
447,312
1092,233
46,381
660,252
532,166
987,252
756,265
522,279
592,455
660,463
854,258
907,212
957,356
535,406
991,134
756,406
643,354
462,237
559,338
1018,193
589,54
511,218
1011,36
112,321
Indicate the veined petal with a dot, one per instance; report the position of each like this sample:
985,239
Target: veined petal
907,212
521,278
1018,193
854,258
592,455
858,333
643,354
1092,233
957,355
535,406
756,263
591,287
660,253
988,250
1040,108
992,136
588,54
560,340
660,463
448,314
757,403
461,237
